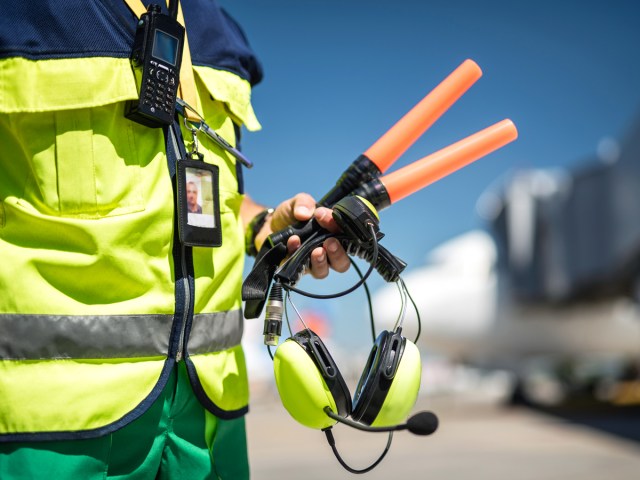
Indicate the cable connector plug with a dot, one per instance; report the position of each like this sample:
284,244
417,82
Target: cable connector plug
273,316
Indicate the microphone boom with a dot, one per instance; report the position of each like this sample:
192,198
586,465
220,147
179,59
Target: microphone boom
422,423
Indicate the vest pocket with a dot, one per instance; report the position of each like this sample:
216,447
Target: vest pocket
96,164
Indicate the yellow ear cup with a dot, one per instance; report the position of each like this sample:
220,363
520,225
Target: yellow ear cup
303,391
403,392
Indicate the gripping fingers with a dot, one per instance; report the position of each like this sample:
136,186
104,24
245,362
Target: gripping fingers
319,263
338,258
331,255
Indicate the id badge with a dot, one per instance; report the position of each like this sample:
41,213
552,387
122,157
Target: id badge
198,204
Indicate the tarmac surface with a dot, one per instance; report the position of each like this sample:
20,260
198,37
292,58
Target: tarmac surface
475,440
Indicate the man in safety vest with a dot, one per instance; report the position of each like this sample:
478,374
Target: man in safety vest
120,349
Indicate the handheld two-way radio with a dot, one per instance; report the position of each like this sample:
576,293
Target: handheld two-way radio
364,177
156,58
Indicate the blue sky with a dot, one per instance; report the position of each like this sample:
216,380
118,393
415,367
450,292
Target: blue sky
338,74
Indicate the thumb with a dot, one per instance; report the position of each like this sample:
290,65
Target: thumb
297,208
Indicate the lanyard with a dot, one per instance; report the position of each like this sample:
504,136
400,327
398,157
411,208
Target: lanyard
187,88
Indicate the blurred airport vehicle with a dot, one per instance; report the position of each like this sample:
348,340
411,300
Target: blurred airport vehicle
551,291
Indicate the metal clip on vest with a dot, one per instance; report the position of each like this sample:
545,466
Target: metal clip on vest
183,109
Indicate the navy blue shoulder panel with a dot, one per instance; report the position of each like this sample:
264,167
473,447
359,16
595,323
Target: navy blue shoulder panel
217,40
42,29
45,29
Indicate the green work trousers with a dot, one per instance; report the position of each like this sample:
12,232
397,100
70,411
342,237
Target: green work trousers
175,439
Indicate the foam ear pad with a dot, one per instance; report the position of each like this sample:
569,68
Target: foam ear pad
389,385
308,380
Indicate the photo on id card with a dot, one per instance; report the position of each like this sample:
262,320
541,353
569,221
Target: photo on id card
198,204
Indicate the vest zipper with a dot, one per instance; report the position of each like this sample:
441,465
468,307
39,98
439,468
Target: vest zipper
173,138
187,303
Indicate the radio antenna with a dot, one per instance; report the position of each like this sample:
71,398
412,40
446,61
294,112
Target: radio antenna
173,8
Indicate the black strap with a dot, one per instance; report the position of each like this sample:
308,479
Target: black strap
256,285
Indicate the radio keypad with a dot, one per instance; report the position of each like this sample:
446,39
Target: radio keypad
160,91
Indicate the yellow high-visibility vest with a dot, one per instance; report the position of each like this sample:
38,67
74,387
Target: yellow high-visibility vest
93,304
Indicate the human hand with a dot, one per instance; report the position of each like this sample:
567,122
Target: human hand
301,208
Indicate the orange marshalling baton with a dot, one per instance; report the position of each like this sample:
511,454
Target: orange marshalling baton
388,148
430,169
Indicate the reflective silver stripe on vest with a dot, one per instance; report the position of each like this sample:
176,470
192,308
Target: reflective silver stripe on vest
32,337
213,332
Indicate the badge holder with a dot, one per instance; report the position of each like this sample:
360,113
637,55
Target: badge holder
198,200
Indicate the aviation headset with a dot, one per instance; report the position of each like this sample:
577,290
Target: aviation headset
309,381
310,384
